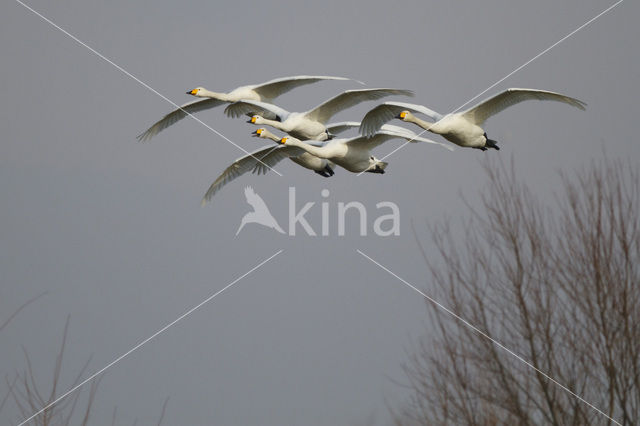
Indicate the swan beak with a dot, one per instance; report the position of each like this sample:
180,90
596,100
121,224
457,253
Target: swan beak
252,121
283,141
256,133
402,115
192,92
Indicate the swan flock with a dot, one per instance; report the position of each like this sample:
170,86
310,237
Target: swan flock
311,142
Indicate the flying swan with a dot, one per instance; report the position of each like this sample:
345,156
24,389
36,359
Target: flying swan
261,160
308,125
354,154
264,92
461,128
265,158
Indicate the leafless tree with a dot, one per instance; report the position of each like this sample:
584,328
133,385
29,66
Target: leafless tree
556,283
30,398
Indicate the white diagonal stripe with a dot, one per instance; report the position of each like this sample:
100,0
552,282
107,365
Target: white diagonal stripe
128,74
142,343
516,70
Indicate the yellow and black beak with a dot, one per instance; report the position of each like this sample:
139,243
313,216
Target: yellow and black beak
402,115
252,120
256,133
283,141
192,92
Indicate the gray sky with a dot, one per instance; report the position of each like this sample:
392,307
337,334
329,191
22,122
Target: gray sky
112,229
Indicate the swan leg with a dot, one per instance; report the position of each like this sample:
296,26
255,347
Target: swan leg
329,170
493,144
375,170
490,143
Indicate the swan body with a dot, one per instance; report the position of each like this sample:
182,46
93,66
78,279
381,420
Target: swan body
354,154
264,92
308,125
462,128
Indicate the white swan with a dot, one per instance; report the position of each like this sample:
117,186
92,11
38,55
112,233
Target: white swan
259,92
263,159
308,125
354,154
462,128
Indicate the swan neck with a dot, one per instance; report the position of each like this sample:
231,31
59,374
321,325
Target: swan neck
313,150
215,95
420,122
267,134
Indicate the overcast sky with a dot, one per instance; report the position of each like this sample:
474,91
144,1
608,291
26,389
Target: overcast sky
113,231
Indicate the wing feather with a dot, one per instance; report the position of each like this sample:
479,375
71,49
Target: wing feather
270,155
177,115
485,109
264,109
349,98
274,88
374,119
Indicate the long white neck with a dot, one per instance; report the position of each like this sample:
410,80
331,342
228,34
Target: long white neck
268,135
318,151
420,122
204,93
273,123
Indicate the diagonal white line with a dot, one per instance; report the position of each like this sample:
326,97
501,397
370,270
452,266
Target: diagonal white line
538,55
494,341
163,329
517,69
128,74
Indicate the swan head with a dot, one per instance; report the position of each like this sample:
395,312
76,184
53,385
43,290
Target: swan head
197,91
404,115
260,133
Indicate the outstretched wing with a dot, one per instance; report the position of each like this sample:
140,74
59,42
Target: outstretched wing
177,115
349,98
274,156
374,119
485,109
239,167
274,88
411,136
342,126
387,134
263,109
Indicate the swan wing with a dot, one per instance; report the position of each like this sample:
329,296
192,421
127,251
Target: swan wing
323,112
383,136
412,136
343,126
274,88
263,109
485,109
239,167
374,119
274,156
177,115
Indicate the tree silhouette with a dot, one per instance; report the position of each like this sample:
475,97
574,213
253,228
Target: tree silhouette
557,283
